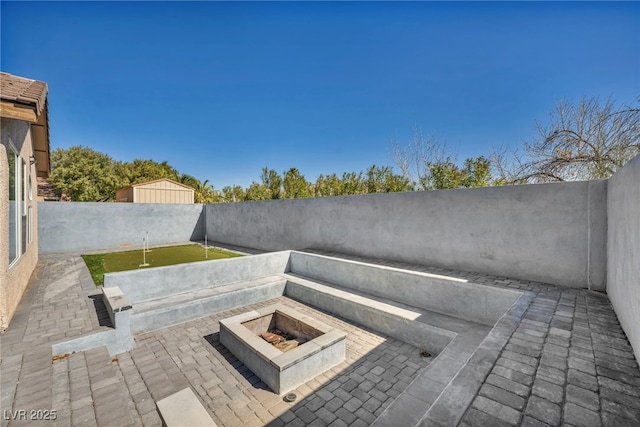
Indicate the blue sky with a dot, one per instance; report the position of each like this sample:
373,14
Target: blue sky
222,89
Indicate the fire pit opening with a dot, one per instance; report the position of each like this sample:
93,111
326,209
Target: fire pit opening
283,332
281,346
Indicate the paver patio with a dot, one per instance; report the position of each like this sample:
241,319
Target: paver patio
568,363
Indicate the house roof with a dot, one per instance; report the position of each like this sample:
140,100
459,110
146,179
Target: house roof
23,91
157,180
26,100
46,190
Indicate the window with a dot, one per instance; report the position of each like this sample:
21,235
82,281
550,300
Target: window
24,194
14,205
30,188
30,226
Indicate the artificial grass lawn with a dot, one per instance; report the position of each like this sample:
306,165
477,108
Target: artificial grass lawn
99,264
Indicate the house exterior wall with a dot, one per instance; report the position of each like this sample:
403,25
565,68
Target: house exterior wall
623,269
14,279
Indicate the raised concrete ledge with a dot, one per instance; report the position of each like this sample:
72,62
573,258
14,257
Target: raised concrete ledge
282,371
243,317
160,313
394,319
441,294
196,276
452,403
183,409
442,392
115,301
259,346
117,340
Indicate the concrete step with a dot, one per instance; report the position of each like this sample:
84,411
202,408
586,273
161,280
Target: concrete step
184,409
422,328
172,300
178,308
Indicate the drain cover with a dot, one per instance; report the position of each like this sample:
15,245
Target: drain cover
290,397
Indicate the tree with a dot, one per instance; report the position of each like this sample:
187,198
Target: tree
329,185
295,185
233,194
353,183
334,186
428,164
187,179
586,140
203,192
84,174
273,181
87,175
477,173
383,180
416,159
143,170
258,191
443,175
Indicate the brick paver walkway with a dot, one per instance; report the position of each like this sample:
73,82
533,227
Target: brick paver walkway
568,363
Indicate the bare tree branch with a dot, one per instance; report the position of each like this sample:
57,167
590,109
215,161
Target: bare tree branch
587,140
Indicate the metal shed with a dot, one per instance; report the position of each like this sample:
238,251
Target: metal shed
158,191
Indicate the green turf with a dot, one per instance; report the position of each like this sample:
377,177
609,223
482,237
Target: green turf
99,264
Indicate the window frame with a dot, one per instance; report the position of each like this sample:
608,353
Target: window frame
23,202
13,153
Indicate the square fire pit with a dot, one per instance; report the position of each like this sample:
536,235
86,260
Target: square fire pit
319,346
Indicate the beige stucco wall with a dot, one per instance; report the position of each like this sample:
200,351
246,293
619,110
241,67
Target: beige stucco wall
14,280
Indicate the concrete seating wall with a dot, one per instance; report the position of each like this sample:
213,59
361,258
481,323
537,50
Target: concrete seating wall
166,296
481,304
156,283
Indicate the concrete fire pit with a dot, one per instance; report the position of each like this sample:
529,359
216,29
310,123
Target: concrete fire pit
321,346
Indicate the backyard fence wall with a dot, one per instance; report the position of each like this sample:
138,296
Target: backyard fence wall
554,233
81,226
623,246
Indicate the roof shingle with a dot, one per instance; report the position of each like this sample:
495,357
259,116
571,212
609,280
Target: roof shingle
24,91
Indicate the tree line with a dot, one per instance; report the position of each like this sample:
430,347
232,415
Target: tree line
86,175
589,139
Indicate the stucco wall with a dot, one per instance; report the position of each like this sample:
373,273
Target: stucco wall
554,233
14,279
623,243
80,226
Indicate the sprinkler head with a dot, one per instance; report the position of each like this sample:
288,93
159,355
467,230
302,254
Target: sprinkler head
290,397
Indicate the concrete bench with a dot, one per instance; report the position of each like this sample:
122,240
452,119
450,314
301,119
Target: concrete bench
422,328
174,308
183,409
